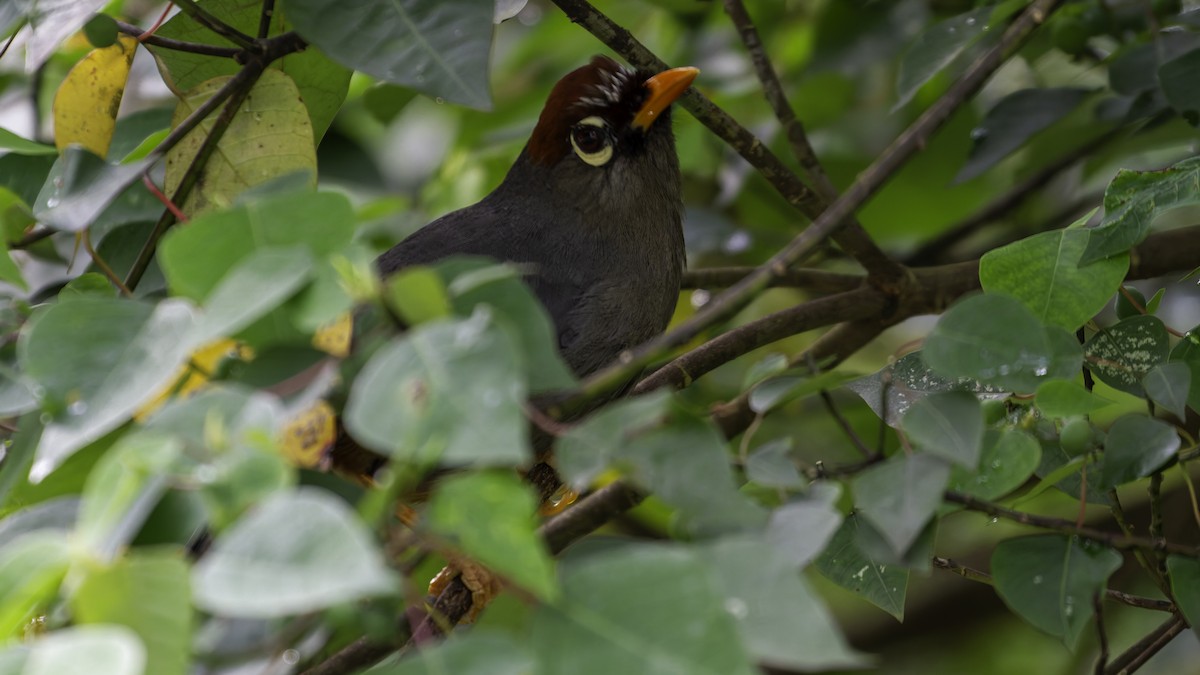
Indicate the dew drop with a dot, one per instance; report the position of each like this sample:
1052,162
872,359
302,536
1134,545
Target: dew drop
52,202
290,657
1037,580
439,100
77,408
978,134
700,298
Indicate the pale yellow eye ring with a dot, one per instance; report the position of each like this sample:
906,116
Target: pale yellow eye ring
601,156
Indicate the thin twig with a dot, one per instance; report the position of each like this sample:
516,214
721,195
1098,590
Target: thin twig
810,279
985,578
1141,652
264,19
108,272
216,25
1124,542
773,90
32,238
148,38
353,657
842,422
1145,558
1101,633
726,304
1156,521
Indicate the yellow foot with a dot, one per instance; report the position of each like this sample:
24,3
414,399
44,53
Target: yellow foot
484,585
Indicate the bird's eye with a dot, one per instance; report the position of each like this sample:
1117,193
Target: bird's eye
591,141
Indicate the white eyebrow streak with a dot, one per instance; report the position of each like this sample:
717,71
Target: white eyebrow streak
608,90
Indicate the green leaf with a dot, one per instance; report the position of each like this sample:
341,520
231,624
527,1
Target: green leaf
1126,307
53,514
935,48
777,391
1177,78
1065,471
80,186
121,491
95,650
50,24
8,269
949,425
490,517
1188,352
148,593
673,453
22,146
1049,580
771,465
31,569
996,340
101,31
259,283
474,281
1134,199
1122,354
297,552
800,529
385,101
1043,271
1136,446
438,47
781,620
1185,586
322,84
98,360
1009,458
681,624
476,653
18,457
195,258
270,136
900,495
893,390
449,389
846,565
417,294
768,366
1013,121
1060,398
1168,384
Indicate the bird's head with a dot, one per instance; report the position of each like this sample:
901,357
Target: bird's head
606,130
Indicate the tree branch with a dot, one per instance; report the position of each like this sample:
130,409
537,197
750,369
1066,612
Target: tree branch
1141,652
204,18
177,45
811,279
985,578
1121,542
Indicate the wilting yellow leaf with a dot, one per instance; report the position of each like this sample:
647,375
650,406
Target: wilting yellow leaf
85,107
196,373
334,338
310,435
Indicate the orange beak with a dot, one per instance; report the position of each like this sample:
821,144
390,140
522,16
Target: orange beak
664,88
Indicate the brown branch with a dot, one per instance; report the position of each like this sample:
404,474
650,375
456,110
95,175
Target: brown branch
1122,542
984,578
148,38
773,90
352,658
810,279
211,22
854,240
851,305
264,19
1141,652
725,305
1101,633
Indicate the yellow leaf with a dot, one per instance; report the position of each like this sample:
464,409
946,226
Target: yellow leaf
334,338
270,136
309,436
85,107
196,373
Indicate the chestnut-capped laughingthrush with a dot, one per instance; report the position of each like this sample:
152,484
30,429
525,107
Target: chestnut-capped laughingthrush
590,211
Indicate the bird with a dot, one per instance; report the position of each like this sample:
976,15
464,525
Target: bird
591,212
